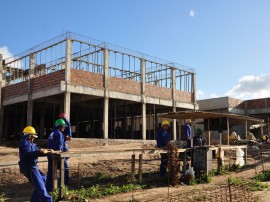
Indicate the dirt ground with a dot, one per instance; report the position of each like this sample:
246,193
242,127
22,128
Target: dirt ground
17,189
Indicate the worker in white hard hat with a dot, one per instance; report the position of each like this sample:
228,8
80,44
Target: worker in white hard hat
28,153
187,132
163,137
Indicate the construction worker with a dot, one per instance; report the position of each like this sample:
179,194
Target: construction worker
67,132
29,153
163,137
187,132
198,140
56,142
265,139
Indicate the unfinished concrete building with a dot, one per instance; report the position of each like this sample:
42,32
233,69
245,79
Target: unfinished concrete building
107,91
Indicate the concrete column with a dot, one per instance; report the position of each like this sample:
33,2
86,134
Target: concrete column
30,101
67,99
143,99
132,123
42,122
106,95
67,77
68,60
1,107
105,118
194,90
174,133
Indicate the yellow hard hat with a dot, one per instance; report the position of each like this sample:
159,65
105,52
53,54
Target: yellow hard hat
264,137
30,130
165,122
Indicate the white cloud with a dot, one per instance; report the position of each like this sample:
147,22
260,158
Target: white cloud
214,95
251,87
5,52
191,13
199,94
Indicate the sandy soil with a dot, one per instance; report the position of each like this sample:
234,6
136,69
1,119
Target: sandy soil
17,189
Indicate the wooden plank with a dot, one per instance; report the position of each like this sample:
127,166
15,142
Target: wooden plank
140,168
54,171
62,177
132,178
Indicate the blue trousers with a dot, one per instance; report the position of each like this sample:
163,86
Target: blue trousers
49,181
163,164
38,179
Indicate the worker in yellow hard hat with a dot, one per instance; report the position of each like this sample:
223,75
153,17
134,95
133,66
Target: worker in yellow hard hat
28,153
163,137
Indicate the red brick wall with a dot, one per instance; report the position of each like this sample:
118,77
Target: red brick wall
48,80
85,78
184,96
15,90
39,83
158,91
256,104
124,85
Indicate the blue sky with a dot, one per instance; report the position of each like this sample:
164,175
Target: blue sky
227,42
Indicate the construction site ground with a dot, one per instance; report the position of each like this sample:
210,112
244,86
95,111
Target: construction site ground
16,187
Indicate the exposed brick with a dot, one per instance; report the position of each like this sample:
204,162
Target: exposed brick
85,78
48,80
15,90
184,96
256,104
124,86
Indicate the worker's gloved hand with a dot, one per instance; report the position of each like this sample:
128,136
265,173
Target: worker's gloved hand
51,151
44,151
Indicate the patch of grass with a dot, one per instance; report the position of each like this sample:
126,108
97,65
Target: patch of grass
227,169
2,197
249,185
96,191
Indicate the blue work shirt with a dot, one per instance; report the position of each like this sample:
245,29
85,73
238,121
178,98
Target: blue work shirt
56,140
198,140
28,153
163,137
187,131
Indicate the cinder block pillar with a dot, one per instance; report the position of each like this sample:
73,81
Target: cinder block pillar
67,77
106,95
1,104
173,102
30,101
143,98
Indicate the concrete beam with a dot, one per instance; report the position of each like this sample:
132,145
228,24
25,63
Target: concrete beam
35,95
259,111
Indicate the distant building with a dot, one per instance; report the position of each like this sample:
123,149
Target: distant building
259,108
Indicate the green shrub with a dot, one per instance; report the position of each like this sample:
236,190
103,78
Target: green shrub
263,176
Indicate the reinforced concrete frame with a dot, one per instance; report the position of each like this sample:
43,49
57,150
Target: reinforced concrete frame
106,91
